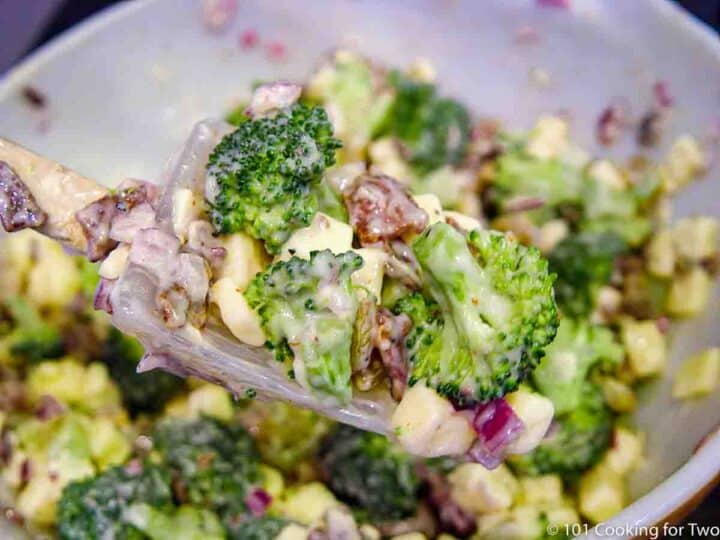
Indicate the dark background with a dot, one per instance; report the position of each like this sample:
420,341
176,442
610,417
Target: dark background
50,17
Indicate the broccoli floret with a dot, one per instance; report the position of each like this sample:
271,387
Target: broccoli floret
583,263
214,464
435,130
307,309
577,348
520,174
368,472
31,339
614,211
577,440
95,508
260,528
286,435
141,393
261,177
492,313
356,96
185,523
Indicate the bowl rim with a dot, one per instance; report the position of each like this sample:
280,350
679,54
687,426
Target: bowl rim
670,500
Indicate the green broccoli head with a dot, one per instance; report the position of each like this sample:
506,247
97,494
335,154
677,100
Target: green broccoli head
350,85
186,522
31,337
577,348
213,464
96,507
286,435
141,393
261,177
368,472
435,130
491,315
577,439
583,263
307,309
258,528
520,174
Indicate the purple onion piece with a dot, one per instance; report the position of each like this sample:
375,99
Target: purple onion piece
563,4
496,425
18,208
96,220
103,292
258,501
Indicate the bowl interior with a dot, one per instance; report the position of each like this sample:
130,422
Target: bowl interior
125,88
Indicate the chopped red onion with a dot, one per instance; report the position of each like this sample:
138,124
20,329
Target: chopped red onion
258,501
276,50
249,39
127,224
103,292
496,425
564,4
662,95
218,14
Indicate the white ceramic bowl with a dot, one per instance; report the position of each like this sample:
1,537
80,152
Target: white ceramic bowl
125,87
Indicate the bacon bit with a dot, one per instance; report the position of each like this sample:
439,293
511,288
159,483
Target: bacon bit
48,408
249,39
381,210
218,14
450,515
13,516
612,122
389,339
527,35
53,476
95,220
102,300
18,208
277,51
661,93
651,127
522,203
26,470
6,447
34,97
205,460
663,324
563,4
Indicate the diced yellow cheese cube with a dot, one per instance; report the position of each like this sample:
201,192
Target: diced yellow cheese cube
645,346
244,259
601,494
626,451
541,490
684,161
660,254
324,232
548,138
235,312
696,238
370,275
479,490
698,375
689,293
210,400
536,412
431,204
619,396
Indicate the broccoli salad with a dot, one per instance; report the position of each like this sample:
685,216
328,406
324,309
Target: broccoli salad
505,292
